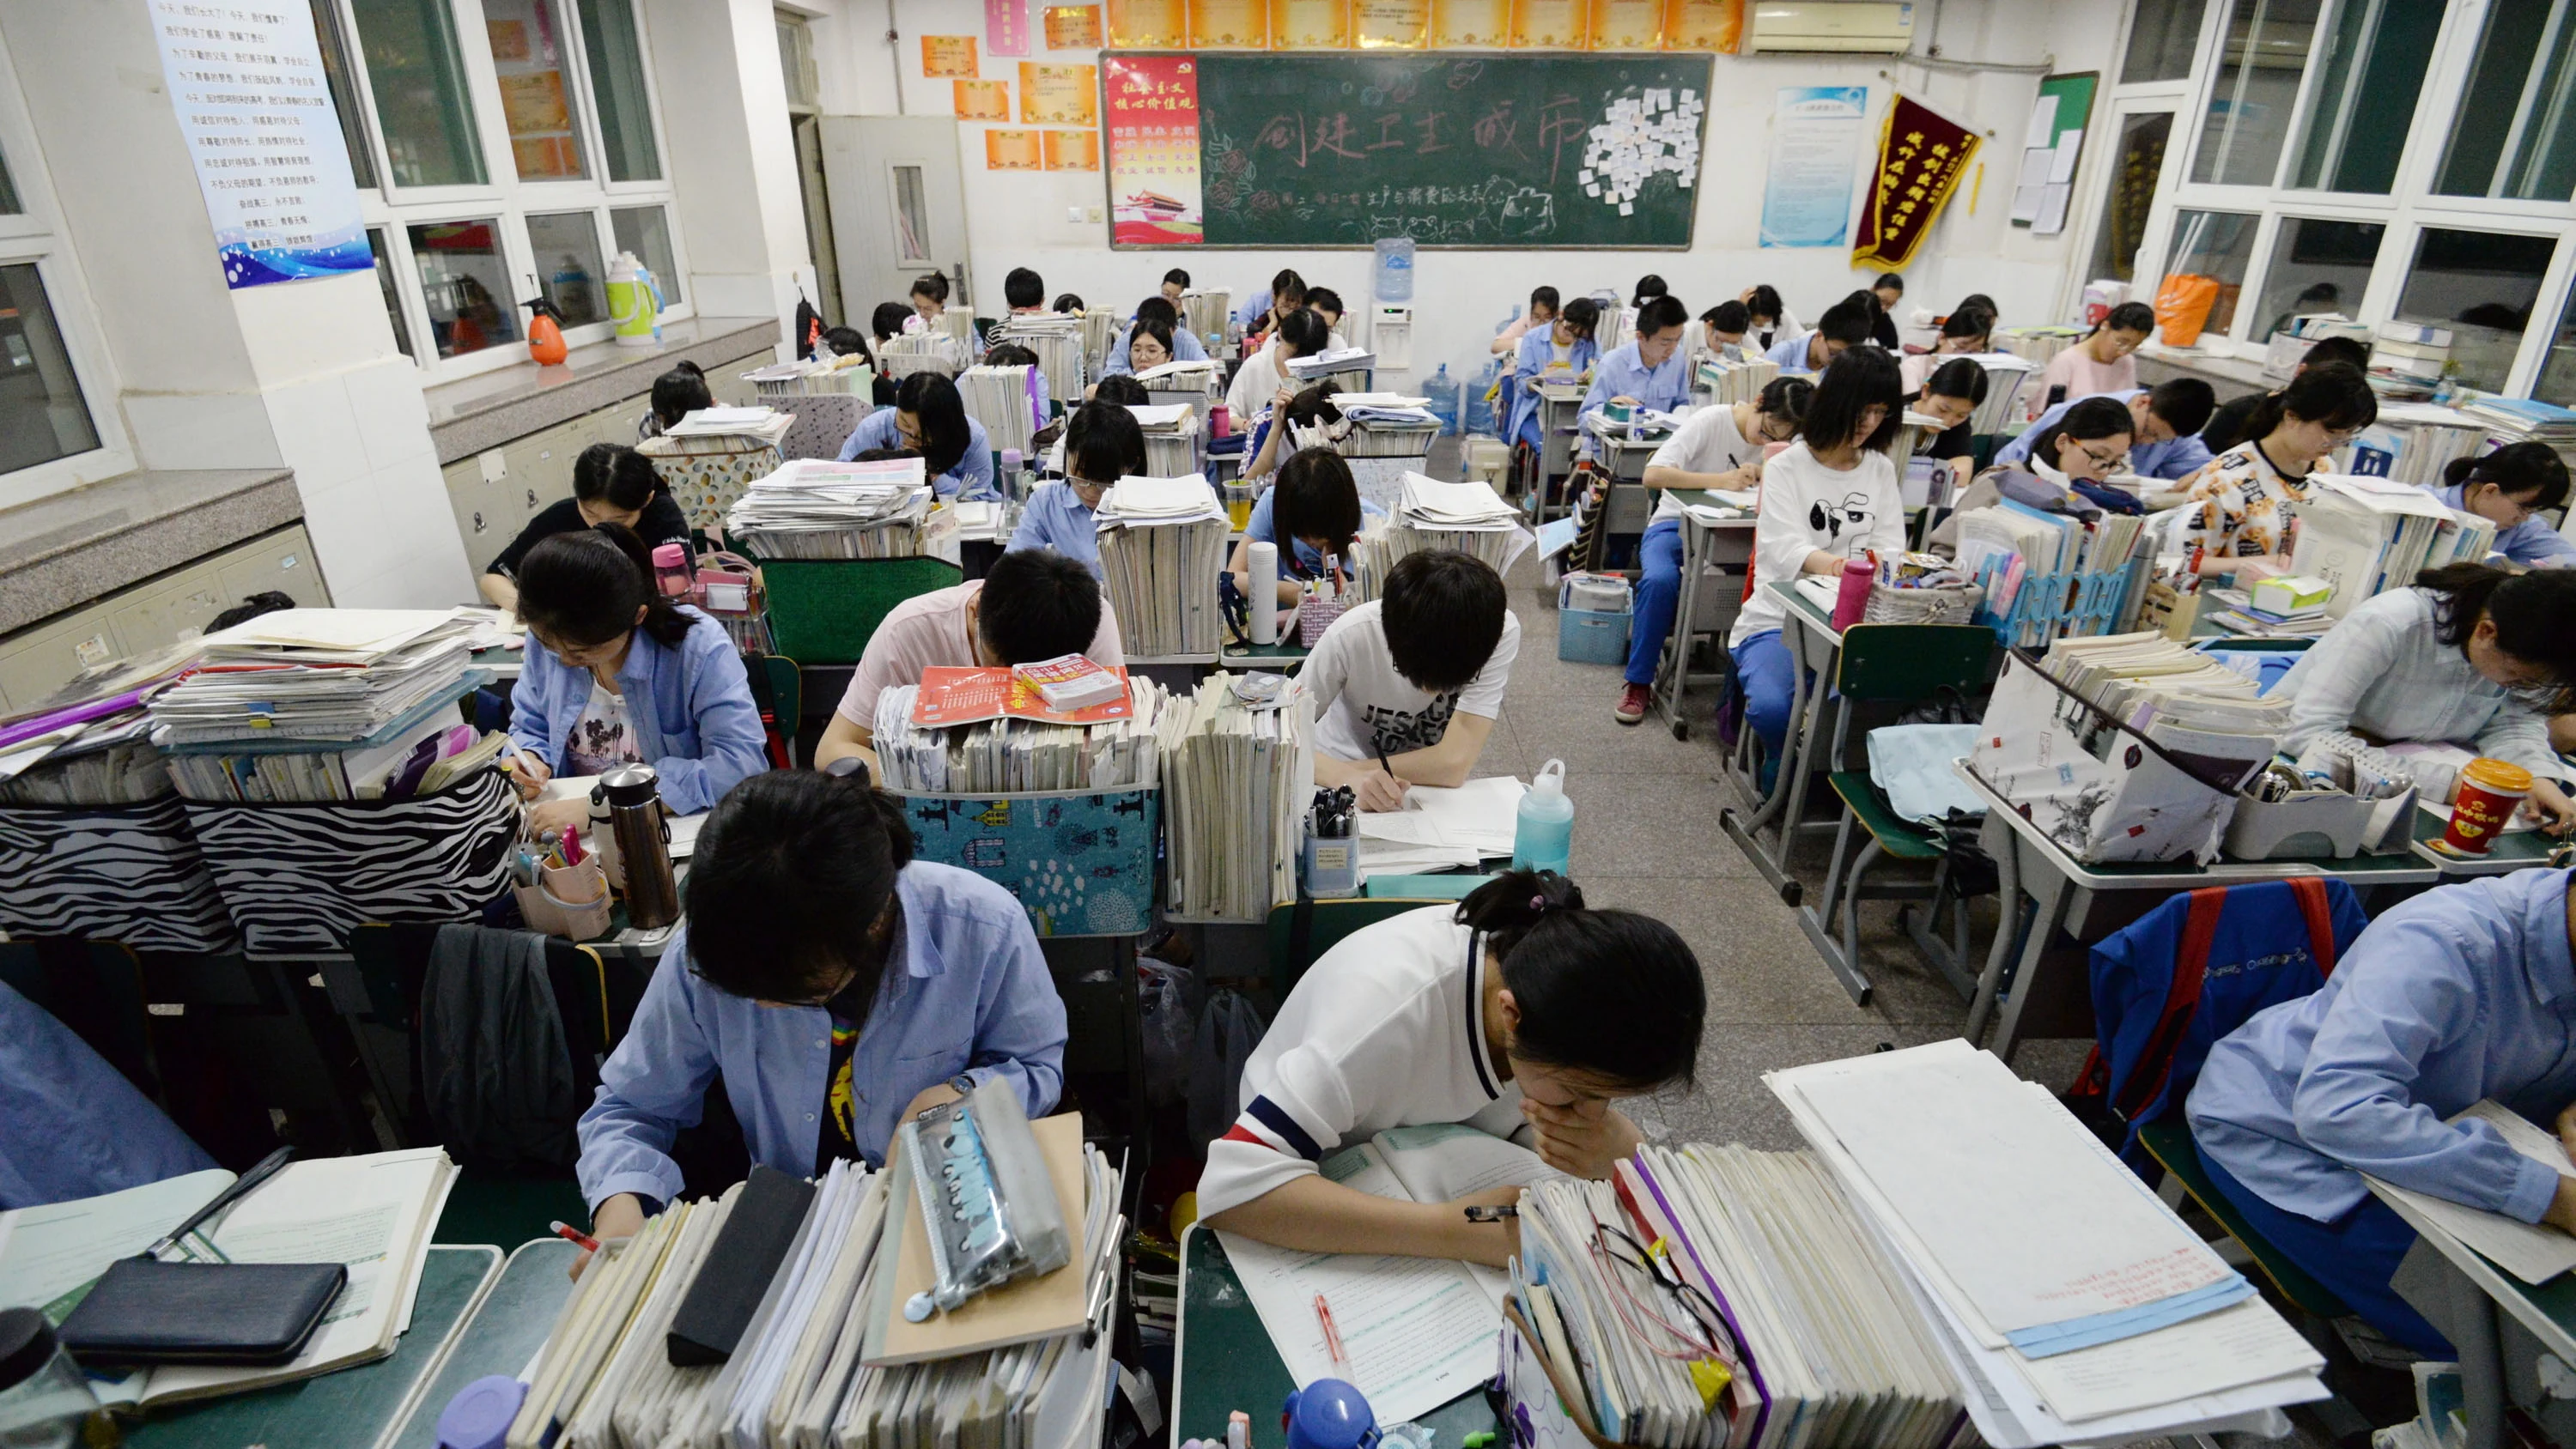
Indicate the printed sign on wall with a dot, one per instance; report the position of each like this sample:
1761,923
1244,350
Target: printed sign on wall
948,57
1154,151
1815,143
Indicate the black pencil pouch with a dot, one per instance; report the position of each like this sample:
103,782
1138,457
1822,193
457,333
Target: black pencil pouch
144,1312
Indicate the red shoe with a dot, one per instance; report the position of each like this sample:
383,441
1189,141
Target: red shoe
1633,703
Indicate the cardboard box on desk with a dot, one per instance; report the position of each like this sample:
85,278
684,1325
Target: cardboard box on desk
2099,789
1081,862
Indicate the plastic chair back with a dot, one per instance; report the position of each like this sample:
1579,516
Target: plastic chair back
823,611
1904,662
1294,946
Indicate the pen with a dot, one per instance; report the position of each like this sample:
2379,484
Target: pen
1332,1335
240,1189
571,1234
572,845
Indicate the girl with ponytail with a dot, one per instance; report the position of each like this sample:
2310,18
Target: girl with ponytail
1521,1013
833,983
615,672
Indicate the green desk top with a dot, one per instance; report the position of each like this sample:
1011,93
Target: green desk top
503,1334
1704,498
1283,654
1226,1361
344,1409
2517,851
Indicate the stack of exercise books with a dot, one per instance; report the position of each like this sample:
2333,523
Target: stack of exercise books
728,430
818,509
2011,546
1162,545
1171,438
1004,400
421,754
1017,751
1057,338
1206,313
1238,778
317,677
1468,518
906,353
1727,380
88,742
2365,536
1099,334
2006,374
2139,678
2412,442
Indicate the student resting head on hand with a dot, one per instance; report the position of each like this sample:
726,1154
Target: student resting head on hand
1520,1013
616,673
836,986
1313,514
611,483
1408,685
929,417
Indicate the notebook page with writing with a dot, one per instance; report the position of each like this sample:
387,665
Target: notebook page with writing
2533,1252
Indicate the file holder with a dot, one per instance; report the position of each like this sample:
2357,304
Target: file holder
1080,862
129,873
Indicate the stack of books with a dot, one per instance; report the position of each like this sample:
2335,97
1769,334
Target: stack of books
318,677
1726,380
1099,334
2365,536
1057,338
1012,750
808,377
2525,420
1238,776
2407,358
1331,362
728,430
2412,442
816,509
1387,425
2010,546
1207,312
1171,438
906,353
1192,383
1004,400
421,754
1469,518
1162,545
2007,373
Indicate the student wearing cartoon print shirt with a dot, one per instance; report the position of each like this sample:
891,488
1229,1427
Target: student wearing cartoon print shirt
1407,687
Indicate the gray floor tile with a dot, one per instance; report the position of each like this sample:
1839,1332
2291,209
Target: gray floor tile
1648,825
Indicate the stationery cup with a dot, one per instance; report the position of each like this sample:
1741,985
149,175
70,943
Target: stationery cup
2490,791
571,901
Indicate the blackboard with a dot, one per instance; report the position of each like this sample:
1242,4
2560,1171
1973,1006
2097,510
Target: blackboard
1473,151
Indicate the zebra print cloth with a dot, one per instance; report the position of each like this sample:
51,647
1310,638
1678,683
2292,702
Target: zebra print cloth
299,878
128,873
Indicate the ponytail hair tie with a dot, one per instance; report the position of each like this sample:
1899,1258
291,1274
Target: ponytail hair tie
1538,905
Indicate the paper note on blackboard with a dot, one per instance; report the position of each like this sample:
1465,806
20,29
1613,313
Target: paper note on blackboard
2043,124
2052,210
2035,164
2025,203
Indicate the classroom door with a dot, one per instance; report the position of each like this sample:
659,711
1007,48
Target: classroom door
898,207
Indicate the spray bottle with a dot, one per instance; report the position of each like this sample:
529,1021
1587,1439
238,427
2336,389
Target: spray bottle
545,332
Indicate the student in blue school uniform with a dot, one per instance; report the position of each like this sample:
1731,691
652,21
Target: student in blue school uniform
1845,325
1317,504
835,985
2458,995
930,418
617,674
2510,488
1176,285
1041,398
1648,369
1179,343
1102,444
2164,437
1262,310
1562,350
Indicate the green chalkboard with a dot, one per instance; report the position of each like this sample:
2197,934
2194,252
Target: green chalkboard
1474,151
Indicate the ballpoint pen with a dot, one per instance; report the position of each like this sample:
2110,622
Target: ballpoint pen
267,1167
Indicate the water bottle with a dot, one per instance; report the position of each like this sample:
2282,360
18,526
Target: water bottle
1394,276
1479,412
1543,832
1444,400
45,1399
1852,599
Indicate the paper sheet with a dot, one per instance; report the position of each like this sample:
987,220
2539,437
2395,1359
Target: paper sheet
2052,210
2533,1252
2043,123
2061,165
46,1252
1419,1331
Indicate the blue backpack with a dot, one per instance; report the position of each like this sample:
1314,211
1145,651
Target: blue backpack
2170,984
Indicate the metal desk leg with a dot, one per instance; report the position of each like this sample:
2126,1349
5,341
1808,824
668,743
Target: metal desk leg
2473,1333
1788,793
1991,980
1673,680
2053,894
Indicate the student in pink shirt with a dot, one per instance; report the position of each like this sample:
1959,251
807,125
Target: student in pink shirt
2101,362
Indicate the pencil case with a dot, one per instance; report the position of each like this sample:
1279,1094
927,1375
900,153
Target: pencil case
570,901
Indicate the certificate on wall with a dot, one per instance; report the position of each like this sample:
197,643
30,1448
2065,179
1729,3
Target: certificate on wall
948,57
1627,24
1073,27
1815,144
1470,22
1310,24
271,160
1716,25
1073,150
1391,24
1230,24
1147,24
1006,26
1014,151
983,100
1059,95
1548,24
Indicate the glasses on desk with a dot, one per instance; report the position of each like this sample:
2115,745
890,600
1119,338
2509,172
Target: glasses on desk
1704,1331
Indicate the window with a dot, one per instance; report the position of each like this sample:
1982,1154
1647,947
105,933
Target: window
617,91
334,45
42,414
527,41
646,232
911,218
466,283
2138,162
569,269
796,60
2317,266
2261,55
2163,34
2372,72
2482,286
419,82
2557,382
8,192
2515,135
385,283
2216,244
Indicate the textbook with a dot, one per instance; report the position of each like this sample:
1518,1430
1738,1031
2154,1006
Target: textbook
1014,756
951,695
1070,681
1238,776
2533,1252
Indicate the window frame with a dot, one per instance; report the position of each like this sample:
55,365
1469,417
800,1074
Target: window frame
510,202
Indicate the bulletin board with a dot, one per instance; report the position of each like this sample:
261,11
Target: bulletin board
2052,147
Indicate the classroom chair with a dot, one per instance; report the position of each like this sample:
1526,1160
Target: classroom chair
778,691
822,611
1306,928
824,421
1892,664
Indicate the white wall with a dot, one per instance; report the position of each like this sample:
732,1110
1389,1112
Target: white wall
1460,297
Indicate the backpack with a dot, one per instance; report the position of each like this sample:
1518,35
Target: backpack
2170,984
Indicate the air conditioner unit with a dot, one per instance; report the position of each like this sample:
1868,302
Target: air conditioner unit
1839,25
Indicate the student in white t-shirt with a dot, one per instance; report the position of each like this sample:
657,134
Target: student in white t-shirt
1831,496
1518,1012
1718,446
1407,686
1262,382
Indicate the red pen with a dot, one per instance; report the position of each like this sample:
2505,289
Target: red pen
1332,1335
571,1234
572,845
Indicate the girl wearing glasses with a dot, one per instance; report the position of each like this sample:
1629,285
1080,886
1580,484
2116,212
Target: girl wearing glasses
1520,1013
2470,655
2062,474
834,984
2510,487
2249,494
1102,444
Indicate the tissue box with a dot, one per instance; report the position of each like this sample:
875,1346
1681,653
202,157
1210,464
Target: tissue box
2290,595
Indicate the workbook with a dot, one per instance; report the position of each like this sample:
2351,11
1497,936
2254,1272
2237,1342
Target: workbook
2533,1252
1418,1332
951,695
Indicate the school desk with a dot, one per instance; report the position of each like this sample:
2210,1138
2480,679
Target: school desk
2067,894
500,1335
2459,1290
356,1407
1725,550
1769,835
2517,851
1285,657
1560,406
1223,1360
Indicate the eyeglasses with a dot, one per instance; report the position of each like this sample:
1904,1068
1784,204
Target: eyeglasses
1704,1332
2112,461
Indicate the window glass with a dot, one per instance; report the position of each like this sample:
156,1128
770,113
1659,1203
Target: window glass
2481,285
344,96
42,415
646,231
377,243
2515,133
569,269
617,91
8,192
2219,245
2162,36
466,283
527,40
2317,266
911,217
2135,166
2260,57
2372,69
419,81
796,60
2557,380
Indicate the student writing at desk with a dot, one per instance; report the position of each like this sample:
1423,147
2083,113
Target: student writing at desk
1844,326
617,673
2062,473
1968,330
2460,994
2469,655
1562,351
1178,343
835,985
1648,369
2165,423
610,484
1950,395
1258,381
1408,685
2510,488
1542,311
1317,507
1033,604
929,418
2248,495
1518,1012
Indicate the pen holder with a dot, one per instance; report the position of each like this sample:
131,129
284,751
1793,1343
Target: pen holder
1315,615
570,901
1329,869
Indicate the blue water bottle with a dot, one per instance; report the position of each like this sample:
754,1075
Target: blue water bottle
1543,834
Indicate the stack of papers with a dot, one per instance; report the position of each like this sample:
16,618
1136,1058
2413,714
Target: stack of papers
1171,437
1058,340
814,508
320,675
2011,545
1162,546
2368,535
1237,781
2072,1302
1003,756
2533,1252
2519,419
1330,361
1004,400
1439,829
726,430
1181,377
1469,518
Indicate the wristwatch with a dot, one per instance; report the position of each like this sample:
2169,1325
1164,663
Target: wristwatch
963,1084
